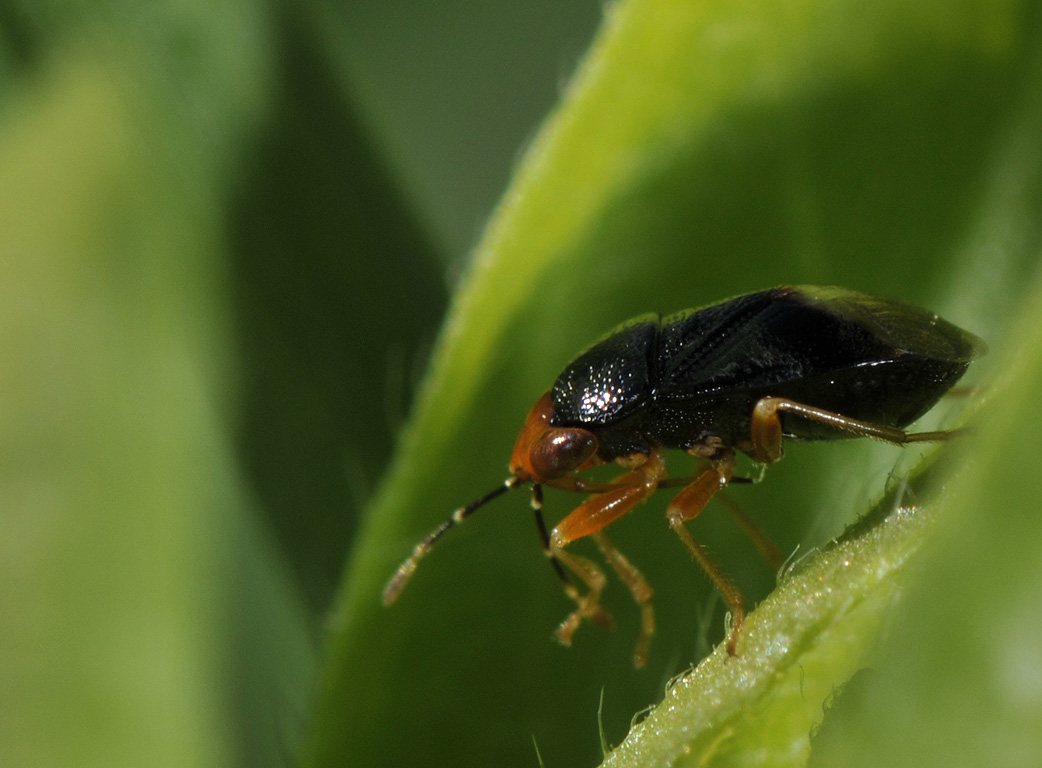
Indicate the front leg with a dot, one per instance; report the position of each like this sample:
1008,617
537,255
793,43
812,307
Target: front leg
589,518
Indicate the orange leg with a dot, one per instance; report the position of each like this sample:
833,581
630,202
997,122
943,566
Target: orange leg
588,606
767,548
590,574
588,519
587,571
766,429
639,588
686,506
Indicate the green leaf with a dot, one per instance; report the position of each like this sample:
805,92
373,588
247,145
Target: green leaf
702,150
959,680
136,589
810,636
105,584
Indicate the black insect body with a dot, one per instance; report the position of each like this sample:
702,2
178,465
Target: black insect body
696,375
799,362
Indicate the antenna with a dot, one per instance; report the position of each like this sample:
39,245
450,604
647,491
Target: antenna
405,571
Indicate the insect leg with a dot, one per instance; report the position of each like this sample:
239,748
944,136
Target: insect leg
639,588
544,537
766,429
587,571
586,519
686,506
965,390
590,517
767,548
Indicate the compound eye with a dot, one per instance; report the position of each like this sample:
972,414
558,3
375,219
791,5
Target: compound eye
560,451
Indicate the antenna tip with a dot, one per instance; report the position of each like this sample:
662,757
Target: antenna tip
398,581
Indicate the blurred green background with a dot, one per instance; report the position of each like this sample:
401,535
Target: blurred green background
229,233
228,239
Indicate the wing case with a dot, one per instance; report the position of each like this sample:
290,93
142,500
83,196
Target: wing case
696,375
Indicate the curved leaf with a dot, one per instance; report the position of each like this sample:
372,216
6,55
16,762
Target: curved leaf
702,150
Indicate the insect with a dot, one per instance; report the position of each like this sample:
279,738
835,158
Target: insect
796,362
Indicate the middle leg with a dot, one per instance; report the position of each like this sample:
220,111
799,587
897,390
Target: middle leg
687,505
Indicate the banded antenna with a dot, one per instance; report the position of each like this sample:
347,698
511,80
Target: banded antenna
405,571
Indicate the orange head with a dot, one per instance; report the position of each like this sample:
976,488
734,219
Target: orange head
544,452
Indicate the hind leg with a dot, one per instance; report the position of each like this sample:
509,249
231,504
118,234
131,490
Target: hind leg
766,431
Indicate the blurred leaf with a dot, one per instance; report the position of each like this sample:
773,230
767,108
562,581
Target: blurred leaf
701,151
337,304
110,503
145,618
450,90
959,680
199,64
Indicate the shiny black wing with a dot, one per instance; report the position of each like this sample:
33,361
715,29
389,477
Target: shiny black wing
610,379
785,335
